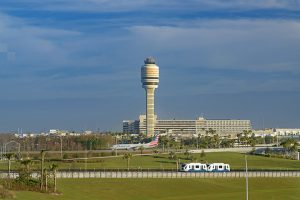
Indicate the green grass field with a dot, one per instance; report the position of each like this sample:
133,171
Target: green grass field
236,161
171,189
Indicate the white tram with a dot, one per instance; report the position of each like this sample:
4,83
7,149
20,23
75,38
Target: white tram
200,167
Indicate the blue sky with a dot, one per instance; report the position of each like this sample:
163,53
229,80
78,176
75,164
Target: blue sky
76,64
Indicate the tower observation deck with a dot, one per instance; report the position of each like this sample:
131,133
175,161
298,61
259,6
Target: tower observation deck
150,80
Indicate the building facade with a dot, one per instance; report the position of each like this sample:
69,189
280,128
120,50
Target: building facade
287,131
198,126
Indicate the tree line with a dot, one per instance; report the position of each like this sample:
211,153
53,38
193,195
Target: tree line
213,140
55,143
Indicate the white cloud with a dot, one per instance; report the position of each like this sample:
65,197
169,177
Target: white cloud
259,45
253,4
3,48
229,85
38,61
131,5
31,45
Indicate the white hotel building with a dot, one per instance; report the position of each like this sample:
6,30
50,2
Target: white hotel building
198,126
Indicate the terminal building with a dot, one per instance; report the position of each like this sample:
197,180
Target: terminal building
197,126
287,131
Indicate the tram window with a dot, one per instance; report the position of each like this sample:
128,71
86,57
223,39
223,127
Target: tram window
197,166
220,166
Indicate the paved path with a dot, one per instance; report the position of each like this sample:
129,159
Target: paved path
240,150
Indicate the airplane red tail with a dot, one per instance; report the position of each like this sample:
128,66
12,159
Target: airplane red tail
154,142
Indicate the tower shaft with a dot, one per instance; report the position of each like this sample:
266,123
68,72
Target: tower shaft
150,111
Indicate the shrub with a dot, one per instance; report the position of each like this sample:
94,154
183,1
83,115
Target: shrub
202,155
6,194
35,157
90,154
172,156
268,150
29,182
65,156
76,155
252,152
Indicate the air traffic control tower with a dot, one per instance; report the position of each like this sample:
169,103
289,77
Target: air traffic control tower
150,79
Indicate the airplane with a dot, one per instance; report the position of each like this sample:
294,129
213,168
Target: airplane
151,144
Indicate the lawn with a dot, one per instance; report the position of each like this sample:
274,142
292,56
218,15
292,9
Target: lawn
171,189
236,161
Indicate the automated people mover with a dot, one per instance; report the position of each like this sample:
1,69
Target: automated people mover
200,167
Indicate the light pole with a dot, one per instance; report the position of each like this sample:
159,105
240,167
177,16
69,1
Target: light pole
116,152
86,151
197,135
1,151
246,176
61,154
5,147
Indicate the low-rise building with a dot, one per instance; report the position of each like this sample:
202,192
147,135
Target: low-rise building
192,127
287,131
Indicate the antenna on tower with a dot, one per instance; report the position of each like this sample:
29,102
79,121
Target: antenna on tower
149,60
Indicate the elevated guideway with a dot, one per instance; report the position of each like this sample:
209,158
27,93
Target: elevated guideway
165,174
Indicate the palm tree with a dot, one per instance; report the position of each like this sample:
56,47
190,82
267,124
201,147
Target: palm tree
155,151
252,141
27,164
239,135
127,156
193,158
205,141
211,131
27,170
268,151
9,157
243,140
53,168
290,145
46,179
187,154
216,141
43,154
198,139
202,155
247,134
164,141
176,146
172,156
177,163
142,149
